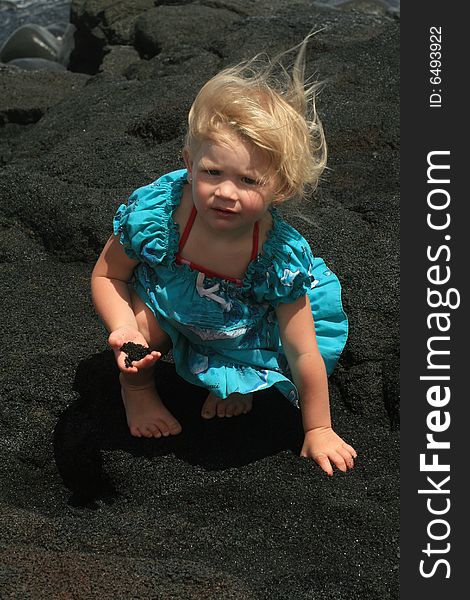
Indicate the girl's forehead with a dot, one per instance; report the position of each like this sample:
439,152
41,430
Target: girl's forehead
233,150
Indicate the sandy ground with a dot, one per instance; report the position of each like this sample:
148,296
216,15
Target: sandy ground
227,509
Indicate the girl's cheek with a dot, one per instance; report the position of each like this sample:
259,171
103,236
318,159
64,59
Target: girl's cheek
200,189
256,202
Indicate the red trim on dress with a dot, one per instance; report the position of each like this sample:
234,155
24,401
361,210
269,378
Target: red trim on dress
187,230
184,238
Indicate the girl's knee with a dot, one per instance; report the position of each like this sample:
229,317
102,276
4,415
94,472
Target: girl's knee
148,325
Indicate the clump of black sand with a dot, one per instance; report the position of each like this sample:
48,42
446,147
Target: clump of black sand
134,352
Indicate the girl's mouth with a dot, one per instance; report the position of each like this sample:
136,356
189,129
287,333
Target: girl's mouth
224,213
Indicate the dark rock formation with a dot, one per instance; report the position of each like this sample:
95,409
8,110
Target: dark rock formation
32,47
30,40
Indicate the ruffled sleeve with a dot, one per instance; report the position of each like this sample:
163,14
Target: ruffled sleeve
284,270
145,225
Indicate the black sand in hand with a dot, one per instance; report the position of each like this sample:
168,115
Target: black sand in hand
134,352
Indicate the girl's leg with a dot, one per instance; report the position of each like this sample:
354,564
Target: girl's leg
236,404
146,414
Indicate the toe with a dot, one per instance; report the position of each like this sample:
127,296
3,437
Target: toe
163,427
175,428
155,430
209,407
221,408
247,404
238,409
135,432
146,431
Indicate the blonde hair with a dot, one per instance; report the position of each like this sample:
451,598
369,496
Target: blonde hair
271,108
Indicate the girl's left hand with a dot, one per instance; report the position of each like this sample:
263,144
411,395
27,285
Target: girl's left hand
326,447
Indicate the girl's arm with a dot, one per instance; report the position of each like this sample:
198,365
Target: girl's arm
111,298
297,332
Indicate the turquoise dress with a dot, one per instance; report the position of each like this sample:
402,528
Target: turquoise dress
226,336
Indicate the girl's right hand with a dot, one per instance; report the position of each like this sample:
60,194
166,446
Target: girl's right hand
127,333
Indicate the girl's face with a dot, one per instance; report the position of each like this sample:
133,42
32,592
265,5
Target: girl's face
226,184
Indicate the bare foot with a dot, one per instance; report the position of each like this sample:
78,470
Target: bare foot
147,416
236,404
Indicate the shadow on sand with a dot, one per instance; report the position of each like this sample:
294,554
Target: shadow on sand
96,421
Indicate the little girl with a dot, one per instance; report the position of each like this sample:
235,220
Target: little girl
202,263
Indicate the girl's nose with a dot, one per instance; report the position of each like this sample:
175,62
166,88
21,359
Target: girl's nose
227,189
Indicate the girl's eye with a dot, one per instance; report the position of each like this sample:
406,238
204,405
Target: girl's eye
250,181
213,172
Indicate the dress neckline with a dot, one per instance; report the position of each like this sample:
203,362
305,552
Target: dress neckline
196,267
271,247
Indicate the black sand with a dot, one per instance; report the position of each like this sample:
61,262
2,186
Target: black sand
227,509
134,352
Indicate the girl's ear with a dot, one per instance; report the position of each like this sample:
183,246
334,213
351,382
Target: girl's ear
189,163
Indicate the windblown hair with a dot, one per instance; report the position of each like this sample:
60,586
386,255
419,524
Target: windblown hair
260,101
